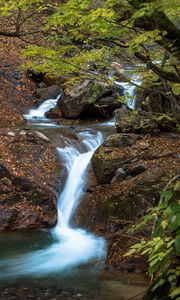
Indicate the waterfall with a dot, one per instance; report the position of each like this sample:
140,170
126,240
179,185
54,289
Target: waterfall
72,246
76,180
38,113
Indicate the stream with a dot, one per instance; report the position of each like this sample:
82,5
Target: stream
65,256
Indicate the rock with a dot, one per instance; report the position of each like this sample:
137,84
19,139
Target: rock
16,91
27,181
104,160
153,99
111,209
53,113
119,175
48,92
139,121
41,135
42,85
91,99
35,75
119,139
136,170
135,121
9,115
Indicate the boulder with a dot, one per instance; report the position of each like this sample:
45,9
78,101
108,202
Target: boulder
120,175
106,160
140,121
49,92
91,99
9,115
127,120
53,113
28,180
111,209
154,99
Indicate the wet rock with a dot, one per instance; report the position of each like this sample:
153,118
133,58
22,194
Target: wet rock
135,121
53,113
136,170
154,99
118,140
91,99
27,181
112,208
104,160
119,175
9,115
49,92
140,121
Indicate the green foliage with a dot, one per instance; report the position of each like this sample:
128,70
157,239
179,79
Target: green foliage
86,36
162,250
176,88
7,8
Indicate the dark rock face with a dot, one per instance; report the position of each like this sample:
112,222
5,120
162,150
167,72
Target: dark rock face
154,99
120,175
91,99
53,113
110,209
105,161
127,120
49,92
15,97
140,121
28,190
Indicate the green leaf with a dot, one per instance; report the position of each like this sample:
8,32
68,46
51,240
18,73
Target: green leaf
175,292
174,221
177,244
175,207
167,195
175,88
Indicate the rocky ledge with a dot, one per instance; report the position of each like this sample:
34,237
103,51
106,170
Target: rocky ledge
90,99
27,188
131,170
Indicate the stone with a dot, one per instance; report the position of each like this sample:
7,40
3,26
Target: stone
28,181
153,99
143,122
127,120
103,160
42,136
136,170
49,92
111,209
119,175
90,99
53,113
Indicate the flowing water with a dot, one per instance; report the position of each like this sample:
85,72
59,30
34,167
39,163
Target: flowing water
63,251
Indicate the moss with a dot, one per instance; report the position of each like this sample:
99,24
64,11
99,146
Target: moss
35,196
14,199
101,152
108,208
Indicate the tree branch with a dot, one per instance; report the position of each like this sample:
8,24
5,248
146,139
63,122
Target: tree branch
170,76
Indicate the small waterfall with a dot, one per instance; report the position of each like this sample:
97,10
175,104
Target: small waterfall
72,246
38,113
129,89
76,180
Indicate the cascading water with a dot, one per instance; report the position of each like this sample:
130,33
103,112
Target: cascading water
55,256
38,113
71,246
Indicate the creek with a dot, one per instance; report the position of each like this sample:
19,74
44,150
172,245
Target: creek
64,256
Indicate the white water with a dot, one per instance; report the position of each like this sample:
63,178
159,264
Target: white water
129,89
72,246
38,113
